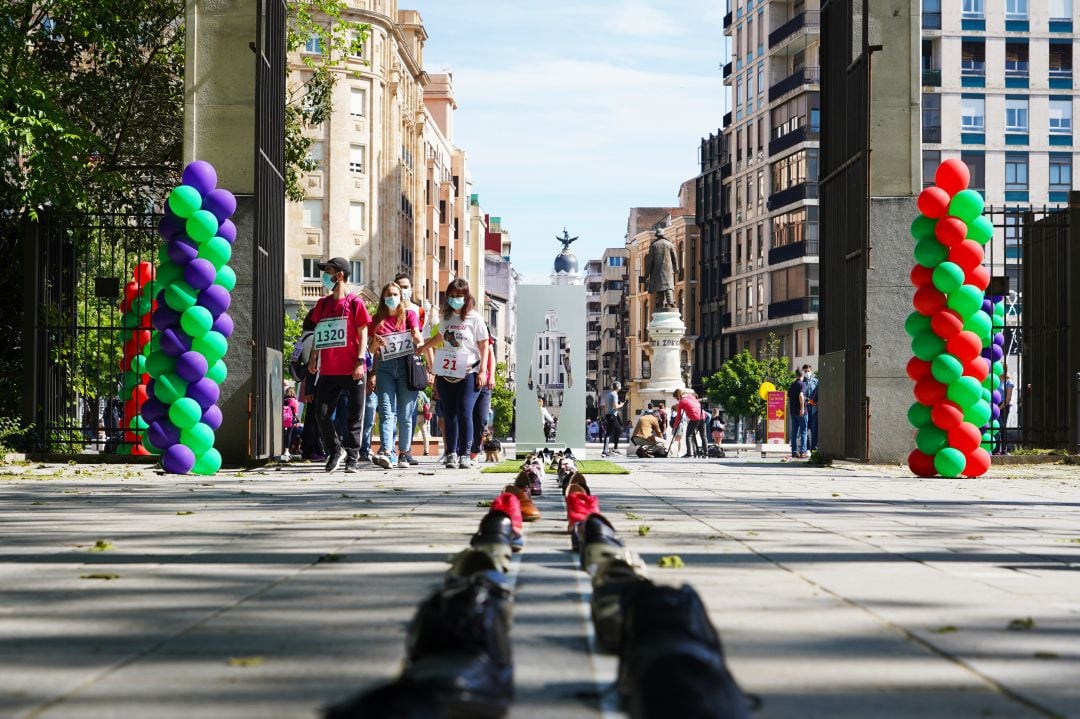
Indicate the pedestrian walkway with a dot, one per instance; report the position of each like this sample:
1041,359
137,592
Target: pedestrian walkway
840,593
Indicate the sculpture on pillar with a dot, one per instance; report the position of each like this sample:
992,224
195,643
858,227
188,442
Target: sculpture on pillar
661,265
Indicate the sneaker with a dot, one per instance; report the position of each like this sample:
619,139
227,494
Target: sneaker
409,458
473,456
451,461
464,462
402,462
335,459
382,459
286,457
363,457
352,466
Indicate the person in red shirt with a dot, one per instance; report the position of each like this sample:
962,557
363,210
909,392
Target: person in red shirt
341,328
687,406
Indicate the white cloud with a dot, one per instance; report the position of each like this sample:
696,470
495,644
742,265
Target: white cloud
639,19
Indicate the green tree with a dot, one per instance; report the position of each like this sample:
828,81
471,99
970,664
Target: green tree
736,385
502,403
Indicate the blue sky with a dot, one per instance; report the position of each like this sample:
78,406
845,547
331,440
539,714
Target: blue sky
571,113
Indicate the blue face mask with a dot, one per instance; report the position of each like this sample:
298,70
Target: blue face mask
456,303
406,293
391,301
328,281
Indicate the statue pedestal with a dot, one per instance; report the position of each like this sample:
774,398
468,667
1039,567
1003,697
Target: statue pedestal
666,330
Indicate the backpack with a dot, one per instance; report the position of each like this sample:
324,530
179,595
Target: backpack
301,353
647,451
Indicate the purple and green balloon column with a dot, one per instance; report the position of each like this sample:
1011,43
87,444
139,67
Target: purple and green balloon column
994,383
192,327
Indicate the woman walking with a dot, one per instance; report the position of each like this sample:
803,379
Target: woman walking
395,335
459,362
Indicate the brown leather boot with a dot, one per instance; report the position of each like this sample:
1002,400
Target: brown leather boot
529,512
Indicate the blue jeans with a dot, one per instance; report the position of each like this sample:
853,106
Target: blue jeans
798,433
369,421
458,400
396,402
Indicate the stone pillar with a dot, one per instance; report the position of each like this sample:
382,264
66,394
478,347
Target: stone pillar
666,330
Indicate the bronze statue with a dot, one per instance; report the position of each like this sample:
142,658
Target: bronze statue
566,240
661,265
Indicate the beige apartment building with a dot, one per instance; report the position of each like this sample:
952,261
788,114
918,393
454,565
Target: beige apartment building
614,318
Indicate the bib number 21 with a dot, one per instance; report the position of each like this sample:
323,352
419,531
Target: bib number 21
450,364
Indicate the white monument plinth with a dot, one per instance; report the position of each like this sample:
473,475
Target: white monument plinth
666,330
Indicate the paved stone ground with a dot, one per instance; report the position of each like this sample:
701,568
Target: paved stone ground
845,592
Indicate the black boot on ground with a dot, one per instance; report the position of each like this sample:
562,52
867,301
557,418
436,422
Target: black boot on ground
398,700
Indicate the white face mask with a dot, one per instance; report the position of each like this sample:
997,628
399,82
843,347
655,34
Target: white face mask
406,293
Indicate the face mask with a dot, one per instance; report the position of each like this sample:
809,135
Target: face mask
328,281
806,376
391,301
456,303
406,294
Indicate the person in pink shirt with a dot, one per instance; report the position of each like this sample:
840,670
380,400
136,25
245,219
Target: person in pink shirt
688,407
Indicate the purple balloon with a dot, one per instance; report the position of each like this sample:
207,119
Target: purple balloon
221,203
995,412
227,231
999,354
205,392
988,307
201,175
177,459
191,366
995,397
224,325
200,273
170,226
175,342
181,250
163,434
987,353
215,298
212,417
153,409
999,339
164,317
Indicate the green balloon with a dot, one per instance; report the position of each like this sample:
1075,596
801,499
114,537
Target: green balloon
989,383
180,295
946,368
997,368
185,413
964,391
967,205
211,345
930,252
979,323
163,255
138,366
129,383
226,278
923,228
950,462
167,274
123,449
201,226
919,415
965,301
930,439
158,364
138,424
197,438
978,414
916,324
948,277
986,394
196,321
140,307
217,372
153,344
927,345
208,463
995,425
129,320
150,290
169,388
981,229
150,445
184,200
217,250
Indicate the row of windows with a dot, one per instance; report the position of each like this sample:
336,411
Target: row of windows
1014,9
312,215
973,113
1016,166
1017,53
312,272
357,157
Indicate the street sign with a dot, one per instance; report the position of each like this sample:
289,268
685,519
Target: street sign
775,417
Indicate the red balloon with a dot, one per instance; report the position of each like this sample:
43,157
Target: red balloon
965,437
978,276
946,415
921,464
130,411
930,392
950,231
140,338
965,346
968,254
125,306
139,450
130,437
153,306
946,323
922,276
978,368
130,351
928,300
977,463
139,396
144,273
918,369
934,202
131,292
144,379
952,176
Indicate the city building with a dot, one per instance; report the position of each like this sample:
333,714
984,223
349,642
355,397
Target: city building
497,239
614,319
712,215
500,283
594,280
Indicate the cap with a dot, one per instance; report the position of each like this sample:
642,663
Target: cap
337,264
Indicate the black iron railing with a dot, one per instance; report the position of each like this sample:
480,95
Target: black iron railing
803,76
809,19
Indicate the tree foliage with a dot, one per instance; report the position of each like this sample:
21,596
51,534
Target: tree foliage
502,403
736,384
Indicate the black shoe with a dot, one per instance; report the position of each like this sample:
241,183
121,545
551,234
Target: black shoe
409,458
612,581
363,457
352,466
598,541
495,537
399,699
335,459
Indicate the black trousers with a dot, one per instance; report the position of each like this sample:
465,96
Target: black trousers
328,390
694,436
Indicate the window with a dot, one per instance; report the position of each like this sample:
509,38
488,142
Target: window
810,340
1016,9
1060,172
976,163
312,213
357,102
313,44
931,117
973,58
972,9
315,155
1016,114
794,169
972,111
930,161
1061,9
796,226
1016,171
1016,59
788,284
311,269
760,78
1060,116
356,158
357,216
1061,59
616,261
356,272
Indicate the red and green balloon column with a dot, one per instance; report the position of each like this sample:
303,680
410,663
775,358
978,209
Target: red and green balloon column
136,306
951,330
186,364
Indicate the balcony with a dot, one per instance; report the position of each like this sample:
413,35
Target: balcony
931,21
792,250
789,308
809,21
727,22
311,290
809,75
802,191
931,77
725,170
803,134
727,119
727,71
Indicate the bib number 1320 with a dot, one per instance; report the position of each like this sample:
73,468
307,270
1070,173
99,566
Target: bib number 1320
450,364
330,333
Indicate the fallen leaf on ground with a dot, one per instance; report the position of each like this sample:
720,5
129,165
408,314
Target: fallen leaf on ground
1020,625
246,661
99,576
183,514
947,629
1046,655
484,503
632,517
102,545
643,530
671,561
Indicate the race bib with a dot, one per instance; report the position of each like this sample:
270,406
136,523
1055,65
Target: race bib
331,333
397,345
451,363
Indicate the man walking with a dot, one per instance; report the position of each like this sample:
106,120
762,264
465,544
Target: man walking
612,425
811,383
796,394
